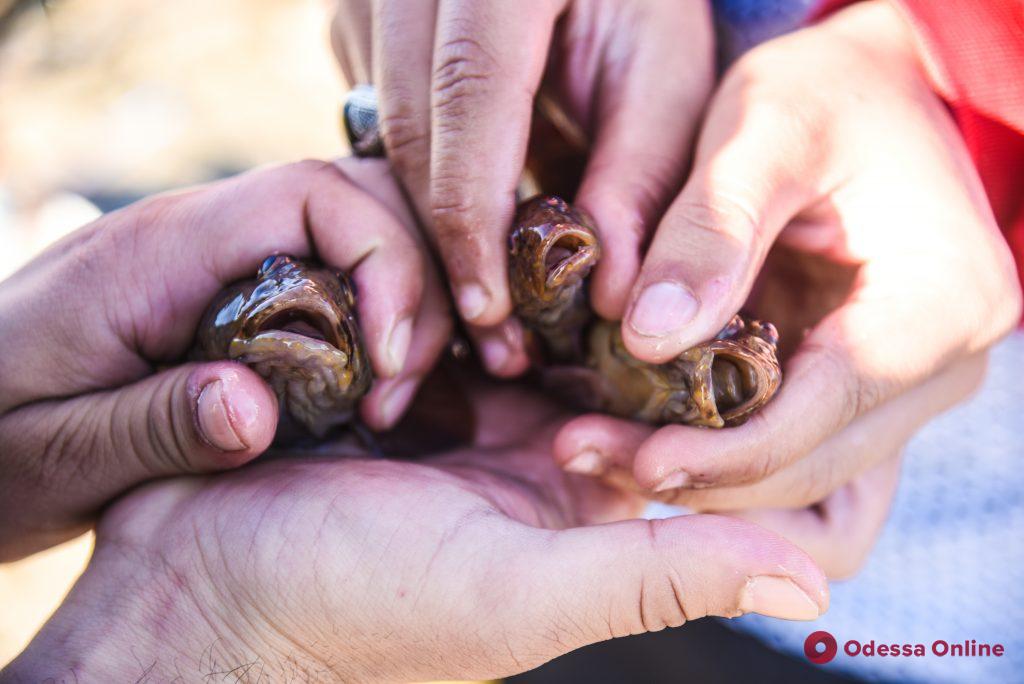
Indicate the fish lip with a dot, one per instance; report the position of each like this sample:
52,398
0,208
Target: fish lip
313,305
585,253
760,395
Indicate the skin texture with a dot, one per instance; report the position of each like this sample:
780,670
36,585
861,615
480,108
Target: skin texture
717,383
477,563
295,325
833,195
457,80
84,412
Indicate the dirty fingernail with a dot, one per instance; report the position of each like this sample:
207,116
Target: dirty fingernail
473,300
662,308
676,480
214,417
778,597
587,462
398,344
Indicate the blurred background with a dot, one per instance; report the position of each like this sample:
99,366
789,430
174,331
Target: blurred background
105,101
109,100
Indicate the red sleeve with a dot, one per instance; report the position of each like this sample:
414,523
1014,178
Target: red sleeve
974,53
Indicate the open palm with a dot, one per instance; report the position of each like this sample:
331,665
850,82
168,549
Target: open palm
480,562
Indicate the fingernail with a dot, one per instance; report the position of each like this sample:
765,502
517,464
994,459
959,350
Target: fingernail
214,416
676,480
473,300
662,308
398,344
587,462
778,597
397,400
495,352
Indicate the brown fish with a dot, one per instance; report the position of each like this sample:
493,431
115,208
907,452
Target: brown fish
553,248
294,324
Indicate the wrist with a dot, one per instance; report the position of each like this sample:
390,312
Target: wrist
108,627
132,616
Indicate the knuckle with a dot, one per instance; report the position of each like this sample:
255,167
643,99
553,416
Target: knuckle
661,599
821,480
762,468
309,165
73,452
291,181
463,71
643,195
768,109
864,393
452,208
774,453
860,392
655,181
722,218
406,138
309,169
157,442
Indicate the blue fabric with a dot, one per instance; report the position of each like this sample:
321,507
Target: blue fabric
745,23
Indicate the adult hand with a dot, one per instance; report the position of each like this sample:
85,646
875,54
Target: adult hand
477,563
889,279
84,414
839,531
457,80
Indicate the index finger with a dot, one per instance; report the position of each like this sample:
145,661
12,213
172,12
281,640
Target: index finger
488,62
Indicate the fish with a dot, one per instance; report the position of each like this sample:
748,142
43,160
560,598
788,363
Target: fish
295,325
553,247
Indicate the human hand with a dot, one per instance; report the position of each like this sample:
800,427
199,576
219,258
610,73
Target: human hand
889,278
456,81
84,414
477,563
839,531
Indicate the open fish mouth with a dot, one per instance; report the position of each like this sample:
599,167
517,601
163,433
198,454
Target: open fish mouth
567,257
295,325
743,376
307,331
308,352
734,380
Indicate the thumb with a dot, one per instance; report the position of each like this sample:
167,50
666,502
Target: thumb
607,581
70,457
755,170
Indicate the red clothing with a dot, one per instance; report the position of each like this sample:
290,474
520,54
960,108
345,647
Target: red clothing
974,52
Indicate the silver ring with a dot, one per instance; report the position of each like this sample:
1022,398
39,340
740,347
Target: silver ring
360,121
